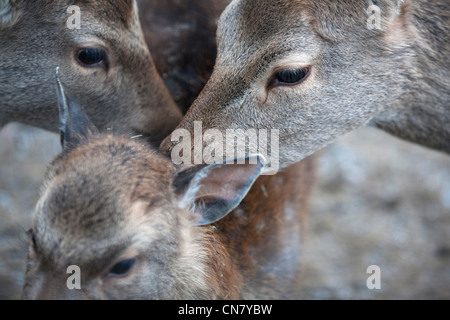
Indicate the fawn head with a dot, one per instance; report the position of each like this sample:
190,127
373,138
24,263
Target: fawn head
128,219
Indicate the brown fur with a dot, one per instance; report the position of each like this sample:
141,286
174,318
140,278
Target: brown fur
128,95
396,78
181,36
120,11
111,197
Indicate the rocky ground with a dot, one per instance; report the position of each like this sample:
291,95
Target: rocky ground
379,201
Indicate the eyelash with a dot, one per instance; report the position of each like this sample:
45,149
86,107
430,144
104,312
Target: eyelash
289,77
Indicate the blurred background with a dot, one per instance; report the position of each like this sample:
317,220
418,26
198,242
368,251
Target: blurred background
378,201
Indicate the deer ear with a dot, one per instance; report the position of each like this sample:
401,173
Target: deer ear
74,125
400,30
9,12
211,192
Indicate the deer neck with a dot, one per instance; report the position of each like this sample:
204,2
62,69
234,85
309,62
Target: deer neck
426,124
265,232
424,114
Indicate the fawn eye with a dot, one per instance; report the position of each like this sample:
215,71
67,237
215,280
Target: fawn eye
92,57
289,77
122,268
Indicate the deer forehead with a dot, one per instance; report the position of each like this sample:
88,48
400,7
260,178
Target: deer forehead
110,190
250,21
123,12
98,242
143,230
94,189
119,11
251,37
114,24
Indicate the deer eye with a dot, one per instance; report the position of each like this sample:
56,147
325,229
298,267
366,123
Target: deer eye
289,77
122,268
92,57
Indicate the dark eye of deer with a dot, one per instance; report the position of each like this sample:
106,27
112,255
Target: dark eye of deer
289,77
92,57
122,268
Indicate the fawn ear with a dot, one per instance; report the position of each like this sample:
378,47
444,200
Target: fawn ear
74,125
9,12
211,192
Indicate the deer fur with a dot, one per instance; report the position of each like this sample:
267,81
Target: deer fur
107,197
181,36
396,78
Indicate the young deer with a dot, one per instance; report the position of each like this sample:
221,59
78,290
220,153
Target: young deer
106,61
139,227
315,70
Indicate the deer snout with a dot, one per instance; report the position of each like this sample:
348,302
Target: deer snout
157,133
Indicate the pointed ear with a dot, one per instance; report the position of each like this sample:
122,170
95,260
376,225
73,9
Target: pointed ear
211,192
9,12
74,125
